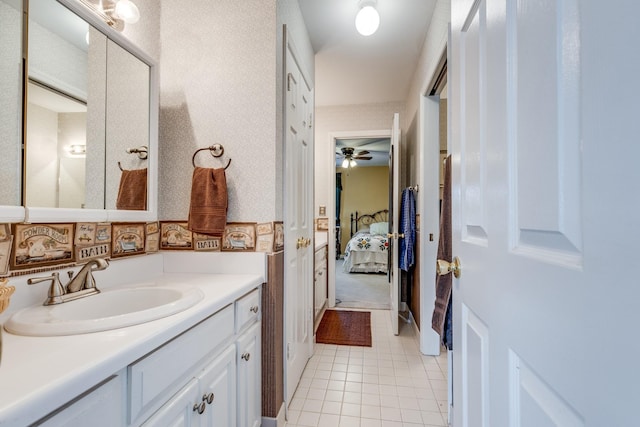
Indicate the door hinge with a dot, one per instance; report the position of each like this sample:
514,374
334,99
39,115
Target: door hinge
288,350
289,78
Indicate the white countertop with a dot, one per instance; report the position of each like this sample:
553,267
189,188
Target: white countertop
40,374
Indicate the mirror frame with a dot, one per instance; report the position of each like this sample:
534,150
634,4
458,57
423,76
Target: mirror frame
51,215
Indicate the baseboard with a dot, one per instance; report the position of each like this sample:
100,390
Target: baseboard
279,421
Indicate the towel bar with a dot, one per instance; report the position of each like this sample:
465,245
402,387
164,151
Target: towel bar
216,150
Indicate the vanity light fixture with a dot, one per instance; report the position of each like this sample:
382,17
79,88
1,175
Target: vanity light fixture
127,11
76,149
116,13
368,18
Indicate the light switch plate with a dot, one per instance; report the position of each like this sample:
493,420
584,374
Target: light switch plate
323,211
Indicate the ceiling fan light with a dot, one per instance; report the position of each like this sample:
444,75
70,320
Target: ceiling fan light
353,163
345,163
127,11
367,20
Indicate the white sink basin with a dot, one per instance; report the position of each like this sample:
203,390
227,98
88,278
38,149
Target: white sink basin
107,310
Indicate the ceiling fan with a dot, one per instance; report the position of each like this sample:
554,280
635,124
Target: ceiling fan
350,158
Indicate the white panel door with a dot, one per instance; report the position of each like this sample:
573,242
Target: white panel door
544,103
394,222
298,223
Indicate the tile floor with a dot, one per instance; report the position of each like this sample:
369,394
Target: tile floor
390,384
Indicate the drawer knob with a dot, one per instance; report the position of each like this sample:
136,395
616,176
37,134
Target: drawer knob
199,408
254,309
246,356
208,398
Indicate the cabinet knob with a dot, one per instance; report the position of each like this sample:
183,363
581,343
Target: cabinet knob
246,356
208,398
199,407
254,308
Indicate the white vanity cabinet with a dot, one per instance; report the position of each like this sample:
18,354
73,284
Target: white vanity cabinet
208,399
249,374
223,390
320,281
249,360
209,375
102,406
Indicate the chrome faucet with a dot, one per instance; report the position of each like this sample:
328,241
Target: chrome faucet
81,285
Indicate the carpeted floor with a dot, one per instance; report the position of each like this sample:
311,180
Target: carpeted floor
344,327
361,290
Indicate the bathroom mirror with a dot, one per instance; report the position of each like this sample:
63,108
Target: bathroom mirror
10,103
90,99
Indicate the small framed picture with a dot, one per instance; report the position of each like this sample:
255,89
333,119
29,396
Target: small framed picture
127,239
37,245
152,243
206,243
5,255
322,224
264,228
174,235
278,239
239,236
85,233
264,243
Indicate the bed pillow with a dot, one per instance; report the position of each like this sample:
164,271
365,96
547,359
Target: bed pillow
379,228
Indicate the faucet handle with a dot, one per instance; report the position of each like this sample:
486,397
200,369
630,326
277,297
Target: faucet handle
56,290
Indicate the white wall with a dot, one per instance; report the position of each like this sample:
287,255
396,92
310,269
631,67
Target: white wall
42,172
344,119
218,85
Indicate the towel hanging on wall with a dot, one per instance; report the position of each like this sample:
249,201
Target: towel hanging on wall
408,228
132,192
439,319
208,208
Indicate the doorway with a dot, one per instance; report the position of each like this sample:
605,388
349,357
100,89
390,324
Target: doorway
357,290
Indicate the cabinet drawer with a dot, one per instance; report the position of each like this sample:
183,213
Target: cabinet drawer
247,309
162,371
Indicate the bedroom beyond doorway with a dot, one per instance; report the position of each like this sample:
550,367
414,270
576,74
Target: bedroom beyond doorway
361,290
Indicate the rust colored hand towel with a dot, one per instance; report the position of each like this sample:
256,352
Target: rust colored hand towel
132,193
445,252
208,210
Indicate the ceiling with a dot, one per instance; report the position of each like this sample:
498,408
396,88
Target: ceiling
353,69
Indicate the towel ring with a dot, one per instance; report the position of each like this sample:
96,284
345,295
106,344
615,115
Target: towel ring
216,150
120,166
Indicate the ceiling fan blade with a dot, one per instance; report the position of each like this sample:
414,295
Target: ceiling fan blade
362,157
362,153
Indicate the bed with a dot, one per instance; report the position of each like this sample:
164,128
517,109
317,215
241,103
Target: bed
368,248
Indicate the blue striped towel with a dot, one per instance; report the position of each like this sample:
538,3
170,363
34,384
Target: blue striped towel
408,228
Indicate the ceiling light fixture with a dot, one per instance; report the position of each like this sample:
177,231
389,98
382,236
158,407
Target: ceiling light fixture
367,19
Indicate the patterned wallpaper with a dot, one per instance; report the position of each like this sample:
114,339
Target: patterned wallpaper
10,112
218,68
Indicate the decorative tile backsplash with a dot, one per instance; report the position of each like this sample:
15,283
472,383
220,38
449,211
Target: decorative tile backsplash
27,248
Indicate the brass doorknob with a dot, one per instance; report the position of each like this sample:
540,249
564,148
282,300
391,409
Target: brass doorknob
444,267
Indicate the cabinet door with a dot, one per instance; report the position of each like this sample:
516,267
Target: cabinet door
218,386
250,377
179,410
101,407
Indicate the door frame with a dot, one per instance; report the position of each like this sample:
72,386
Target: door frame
331,204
